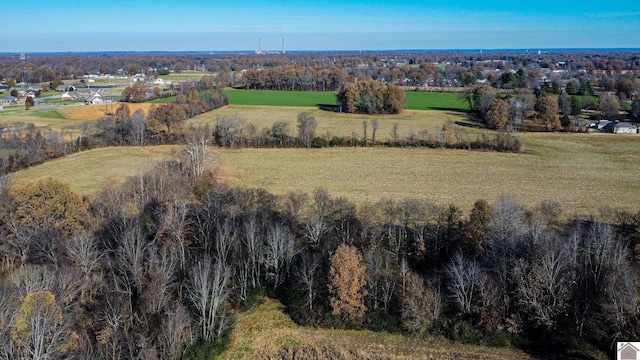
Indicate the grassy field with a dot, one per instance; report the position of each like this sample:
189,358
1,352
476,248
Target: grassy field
280,98
265,332
415,100
434,101
87,172
581,172
339,124
95,112
40,118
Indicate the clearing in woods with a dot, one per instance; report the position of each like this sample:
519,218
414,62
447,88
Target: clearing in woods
265,332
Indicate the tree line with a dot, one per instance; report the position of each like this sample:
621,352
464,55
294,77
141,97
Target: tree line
508,110
156,266
234,131
505,70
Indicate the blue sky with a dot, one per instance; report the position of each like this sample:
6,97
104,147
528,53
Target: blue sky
199,25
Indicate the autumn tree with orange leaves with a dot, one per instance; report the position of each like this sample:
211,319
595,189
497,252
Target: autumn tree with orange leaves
347,279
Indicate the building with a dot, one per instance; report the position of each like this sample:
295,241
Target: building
68,96
9,100
617,127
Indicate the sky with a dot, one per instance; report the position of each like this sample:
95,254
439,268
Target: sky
214,25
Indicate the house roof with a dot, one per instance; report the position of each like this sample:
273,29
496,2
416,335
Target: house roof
624,125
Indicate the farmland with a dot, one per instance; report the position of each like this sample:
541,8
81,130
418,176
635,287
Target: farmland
564,170
558,167
415,100
88,172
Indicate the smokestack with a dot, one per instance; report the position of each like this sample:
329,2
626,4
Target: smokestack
259,51
283,48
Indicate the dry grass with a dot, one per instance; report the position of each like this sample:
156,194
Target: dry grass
581,172
339,124
88,172
266,333
95,112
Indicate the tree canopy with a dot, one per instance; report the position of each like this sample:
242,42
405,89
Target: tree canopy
371,97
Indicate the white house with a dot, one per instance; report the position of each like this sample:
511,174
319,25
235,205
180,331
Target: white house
68,97
617,127
94,99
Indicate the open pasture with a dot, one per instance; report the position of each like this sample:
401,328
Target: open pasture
414,100
340,124
280,98
581,172
40,118
95,112
88,172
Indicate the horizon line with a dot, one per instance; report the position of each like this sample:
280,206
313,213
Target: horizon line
272,52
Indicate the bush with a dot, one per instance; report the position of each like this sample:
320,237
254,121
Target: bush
203,349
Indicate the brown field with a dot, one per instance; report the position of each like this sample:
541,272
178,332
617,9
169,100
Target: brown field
95,112
89,171
265,332
584,173
340,124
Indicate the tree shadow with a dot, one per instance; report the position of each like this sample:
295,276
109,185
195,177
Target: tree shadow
329,107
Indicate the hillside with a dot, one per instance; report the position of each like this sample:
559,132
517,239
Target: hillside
265,332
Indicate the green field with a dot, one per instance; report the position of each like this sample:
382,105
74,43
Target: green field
280,98
434,101
415,100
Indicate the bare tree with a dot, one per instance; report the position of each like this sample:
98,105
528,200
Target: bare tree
278,252
225,240
82,251
374,128
176,332
229,130
307,125
307,274
207,293
315,222
138,126
421,305
365,127
464,276
160,279
253,246
176,222
544,284
395,132
33,278
9,306
198,155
